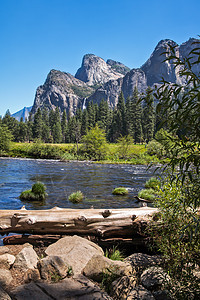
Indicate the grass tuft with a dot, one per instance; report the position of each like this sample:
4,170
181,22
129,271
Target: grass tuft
76,197
120,191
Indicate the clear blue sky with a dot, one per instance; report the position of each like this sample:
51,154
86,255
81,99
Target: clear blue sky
40,35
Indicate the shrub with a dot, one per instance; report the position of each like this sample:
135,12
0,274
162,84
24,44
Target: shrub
147,194
156,148
153,183
120,191
76,197
37,193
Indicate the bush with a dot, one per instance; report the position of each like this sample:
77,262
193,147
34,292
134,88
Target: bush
76,197
153,183
147,194
120,191
156,148
94,144
37,193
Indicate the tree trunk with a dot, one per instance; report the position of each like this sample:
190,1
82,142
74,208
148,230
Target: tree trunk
101,223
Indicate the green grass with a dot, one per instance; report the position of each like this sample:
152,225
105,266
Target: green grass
37,193
137,153
120,191
114,254
147,194
153,183
76,197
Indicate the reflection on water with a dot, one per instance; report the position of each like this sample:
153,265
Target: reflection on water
96,181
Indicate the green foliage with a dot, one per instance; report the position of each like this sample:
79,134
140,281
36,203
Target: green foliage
5,139
156,148
37,193
147,194
177,232
94,144
124,143
153,183
114,254
176,236
39,150
76,197
120,191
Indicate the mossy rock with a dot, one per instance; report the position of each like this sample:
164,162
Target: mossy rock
147,194
120,191
37,193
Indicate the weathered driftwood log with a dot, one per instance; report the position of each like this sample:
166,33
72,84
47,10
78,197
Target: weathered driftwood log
92,222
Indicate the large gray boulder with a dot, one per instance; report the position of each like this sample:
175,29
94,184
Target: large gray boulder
75,251
7,260
26,259
98,265
5,278
79,288
53,268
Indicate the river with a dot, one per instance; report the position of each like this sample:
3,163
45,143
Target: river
96,181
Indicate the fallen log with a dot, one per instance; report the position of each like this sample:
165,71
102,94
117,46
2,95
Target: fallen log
100,223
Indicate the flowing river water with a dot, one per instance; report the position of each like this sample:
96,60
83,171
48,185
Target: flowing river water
96,181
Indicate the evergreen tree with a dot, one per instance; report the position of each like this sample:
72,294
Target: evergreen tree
64,126
22,131
37,125
148,119
129,117
84,123
103,115
137,117
11,123
91,114
45,127
57,130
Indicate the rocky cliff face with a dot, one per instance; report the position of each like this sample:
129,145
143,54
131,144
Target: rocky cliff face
62,90
95,70
97,79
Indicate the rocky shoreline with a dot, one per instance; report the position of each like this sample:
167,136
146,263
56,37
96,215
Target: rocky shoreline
76,268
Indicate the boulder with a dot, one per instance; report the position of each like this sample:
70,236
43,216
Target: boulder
7,260
98,264
162,295
5,278
75,251
140,293
121,287
3,250
26,259
4,295
78,288
53,268
141,261
154,278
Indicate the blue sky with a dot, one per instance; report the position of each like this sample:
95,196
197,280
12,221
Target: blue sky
40,35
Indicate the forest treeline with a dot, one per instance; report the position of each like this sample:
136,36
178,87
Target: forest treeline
136,116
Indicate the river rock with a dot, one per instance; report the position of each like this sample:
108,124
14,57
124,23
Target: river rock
52,267
98,264
4,295
141,261
78,288
75,251
140,293
123,286
26,259
154,278
5,277
6,260
3,250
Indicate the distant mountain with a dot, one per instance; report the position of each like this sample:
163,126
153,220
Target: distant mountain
96,79
24,113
